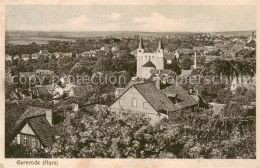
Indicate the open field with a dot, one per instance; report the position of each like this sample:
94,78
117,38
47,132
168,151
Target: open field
27,37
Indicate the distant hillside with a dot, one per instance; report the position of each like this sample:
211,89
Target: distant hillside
27,37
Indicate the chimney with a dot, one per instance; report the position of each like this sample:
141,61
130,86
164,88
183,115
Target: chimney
195,61
49,116
157,82
75,107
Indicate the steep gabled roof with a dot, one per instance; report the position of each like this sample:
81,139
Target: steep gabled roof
36,118
42,129
186,99
149,64
155,97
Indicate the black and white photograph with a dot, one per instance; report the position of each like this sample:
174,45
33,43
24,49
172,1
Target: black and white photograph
151,81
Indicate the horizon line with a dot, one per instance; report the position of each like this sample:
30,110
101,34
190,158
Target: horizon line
138,31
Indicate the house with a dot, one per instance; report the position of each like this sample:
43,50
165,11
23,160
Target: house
208,49
114,49
44,52
79,91
43,72
169,58
27,74
25,57
228,54
104,48
147,98
15,95
41,92
16,57
8,58
55,90
35,56
67,87
90,53
217,107
37,127
66,54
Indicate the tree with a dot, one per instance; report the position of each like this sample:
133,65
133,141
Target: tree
175,67
186,62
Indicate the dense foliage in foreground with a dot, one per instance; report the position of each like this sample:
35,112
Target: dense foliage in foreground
196,134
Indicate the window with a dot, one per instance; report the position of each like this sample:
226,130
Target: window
133,89
33,142
145,105
139,50
134,102
25,141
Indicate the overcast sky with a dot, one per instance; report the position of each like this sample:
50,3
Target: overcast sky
156,18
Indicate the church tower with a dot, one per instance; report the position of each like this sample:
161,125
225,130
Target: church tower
160,56
140,52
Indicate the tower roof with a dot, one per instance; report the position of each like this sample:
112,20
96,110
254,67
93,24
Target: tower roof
141,45
149,64
160,46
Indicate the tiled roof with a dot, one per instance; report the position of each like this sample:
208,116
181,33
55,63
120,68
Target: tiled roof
36,118
168,56
41,90
132,82
149,64
81,91
155,97
27,74
42,129
186,99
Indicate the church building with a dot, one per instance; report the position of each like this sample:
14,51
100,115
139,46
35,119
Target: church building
147,61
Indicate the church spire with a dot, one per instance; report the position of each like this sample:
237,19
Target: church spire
160,46
141,45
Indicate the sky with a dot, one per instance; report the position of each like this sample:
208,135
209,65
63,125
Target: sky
146,18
